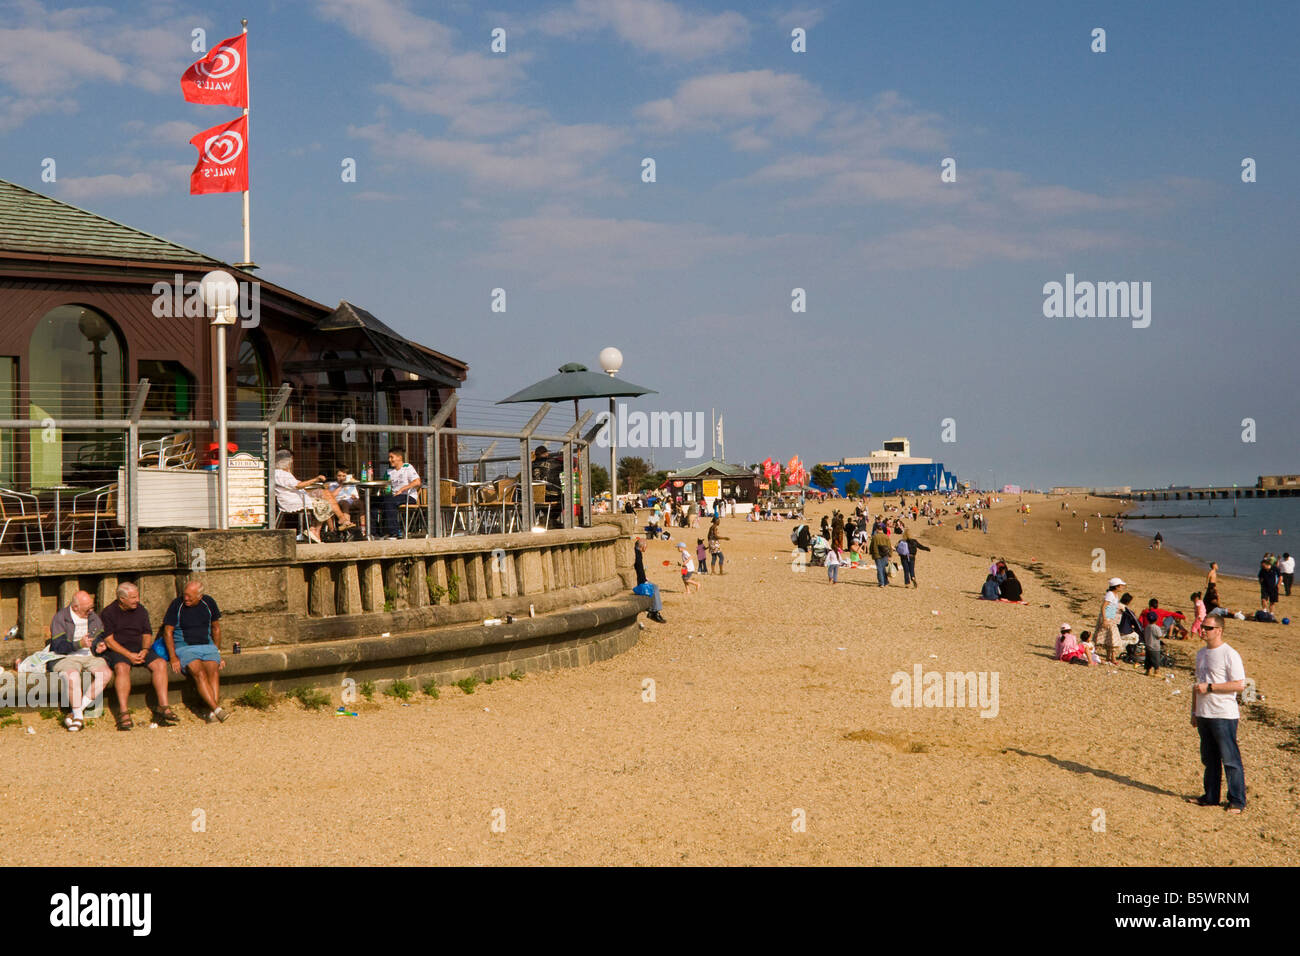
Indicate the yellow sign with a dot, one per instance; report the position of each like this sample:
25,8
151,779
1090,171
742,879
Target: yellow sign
711,489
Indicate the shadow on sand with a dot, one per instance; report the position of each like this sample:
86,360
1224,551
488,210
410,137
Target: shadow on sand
1074,767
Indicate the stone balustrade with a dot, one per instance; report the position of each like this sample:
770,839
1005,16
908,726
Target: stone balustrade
278,595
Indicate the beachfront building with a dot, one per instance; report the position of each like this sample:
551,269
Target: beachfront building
890,469
89,306
714,479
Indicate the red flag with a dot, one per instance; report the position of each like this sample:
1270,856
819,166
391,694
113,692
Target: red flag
221,77
223,159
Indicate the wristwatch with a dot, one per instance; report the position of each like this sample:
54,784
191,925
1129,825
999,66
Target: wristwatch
1209,688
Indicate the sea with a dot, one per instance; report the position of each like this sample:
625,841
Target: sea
1212,532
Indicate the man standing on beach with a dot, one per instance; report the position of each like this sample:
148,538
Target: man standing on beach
1220,674
1108,635
880,549
1287,567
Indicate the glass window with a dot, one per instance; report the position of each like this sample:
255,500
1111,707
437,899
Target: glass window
171,389
78,370
252,393
8,409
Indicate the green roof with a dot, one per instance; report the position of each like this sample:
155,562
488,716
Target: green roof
721,467
31,222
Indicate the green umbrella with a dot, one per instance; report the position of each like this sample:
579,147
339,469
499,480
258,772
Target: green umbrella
576,382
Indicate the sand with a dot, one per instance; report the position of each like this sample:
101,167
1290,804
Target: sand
772,708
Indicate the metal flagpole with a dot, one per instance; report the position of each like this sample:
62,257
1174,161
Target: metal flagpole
714,412
248,237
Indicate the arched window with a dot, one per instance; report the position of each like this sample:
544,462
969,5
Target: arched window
252,392
77,359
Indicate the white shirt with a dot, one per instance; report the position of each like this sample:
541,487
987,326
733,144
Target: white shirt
344,492
287,495
1218,665
80,629
1287,565
401,477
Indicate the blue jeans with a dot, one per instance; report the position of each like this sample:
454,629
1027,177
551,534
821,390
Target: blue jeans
909,568
833,572
1219,749
656,602
881,577
715,561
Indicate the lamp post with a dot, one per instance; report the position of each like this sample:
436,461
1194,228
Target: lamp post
220,293
611,360
94,328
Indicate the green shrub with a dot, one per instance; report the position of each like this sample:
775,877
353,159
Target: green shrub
11,721
50,713
516,674
436,591
468,684
311,698
430,688
256,697
453,588
367,689
399,689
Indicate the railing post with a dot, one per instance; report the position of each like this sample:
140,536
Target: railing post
431,490
132,466
273,416
567,492
435,493
526,469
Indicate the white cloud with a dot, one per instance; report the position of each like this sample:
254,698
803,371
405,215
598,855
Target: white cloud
79,188
806,17
554,157
652,26
784,102
561,248
952,246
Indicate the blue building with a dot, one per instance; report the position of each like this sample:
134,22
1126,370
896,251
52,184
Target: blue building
892,469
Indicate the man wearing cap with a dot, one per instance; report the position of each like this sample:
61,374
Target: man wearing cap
1108,635
1220,674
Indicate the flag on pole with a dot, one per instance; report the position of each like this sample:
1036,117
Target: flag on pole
221,77
223,159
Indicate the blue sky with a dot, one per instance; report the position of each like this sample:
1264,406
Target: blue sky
775,170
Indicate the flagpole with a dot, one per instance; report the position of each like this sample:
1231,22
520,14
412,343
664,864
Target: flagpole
714,411
248,235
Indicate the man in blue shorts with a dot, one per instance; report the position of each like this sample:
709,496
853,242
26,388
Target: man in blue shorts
192,633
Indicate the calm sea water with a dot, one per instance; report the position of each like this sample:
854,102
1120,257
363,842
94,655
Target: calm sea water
1215,535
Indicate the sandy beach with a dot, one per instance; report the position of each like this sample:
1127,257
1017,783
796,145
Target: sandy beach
773,708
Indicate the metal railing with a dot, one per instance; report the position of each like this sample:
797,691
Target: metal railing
577,448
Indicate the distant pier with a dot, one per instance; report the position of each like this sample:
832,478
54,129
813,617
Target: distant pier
1204,494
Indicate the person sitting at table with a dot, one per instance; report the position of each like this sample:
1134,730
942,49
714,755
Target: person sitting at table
346,494
290,498
403,487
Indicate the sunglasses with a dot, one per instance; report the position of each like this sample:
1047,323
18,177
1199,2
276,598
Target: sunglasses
1211,627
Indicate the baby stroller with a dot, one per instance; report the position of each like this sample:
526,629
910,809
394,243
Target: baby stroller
819,549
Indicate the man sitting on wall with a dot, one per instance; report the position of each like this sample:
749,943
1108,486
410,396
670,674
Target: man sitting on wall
77,633
192,633
129,637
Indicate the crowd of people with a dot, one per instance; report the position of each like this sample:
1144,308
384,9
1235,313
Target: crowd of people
90,650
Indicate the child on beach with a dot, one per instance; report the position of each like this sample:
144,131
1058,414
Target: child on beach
688,568
1069,650
833,565
1086,643
701,556
1200,613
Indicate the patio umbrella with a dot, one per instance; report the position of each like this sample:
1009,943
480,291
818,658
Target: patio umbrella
576,382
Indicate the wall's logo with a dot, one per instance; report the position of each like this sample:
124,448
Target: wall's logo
224,147
223,62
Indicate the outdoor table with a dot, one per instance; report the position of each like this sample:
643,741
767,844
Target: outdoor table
366,487
58,495
476,517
